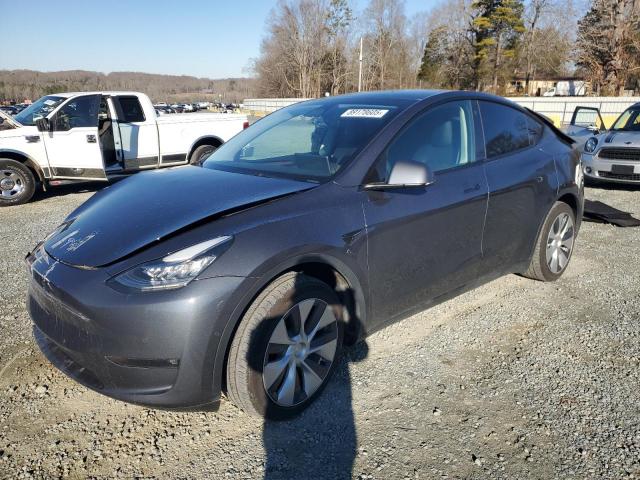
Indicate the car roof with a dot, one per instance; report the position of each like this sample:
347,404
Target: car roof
391,97
405,98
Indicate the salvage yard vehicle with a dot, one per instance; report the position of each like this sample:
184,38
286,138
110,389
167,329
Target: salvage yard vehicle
99,136
318,225
609,155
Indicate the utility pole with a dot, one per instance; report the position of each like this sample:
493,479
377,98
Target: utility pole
360,68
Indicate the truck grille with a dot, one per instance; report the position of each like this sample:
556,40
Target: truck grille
620,153
634,177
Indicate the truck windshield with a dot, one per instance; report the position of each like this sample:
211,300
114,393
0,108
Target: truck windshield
40,108
311,141
629,120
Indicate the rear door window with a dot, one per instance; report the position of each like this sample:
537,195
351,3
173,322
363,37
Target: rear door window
506,129
130,109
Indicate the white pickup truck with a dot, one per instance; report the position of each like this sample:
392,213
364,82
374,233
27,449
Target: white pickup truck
68,137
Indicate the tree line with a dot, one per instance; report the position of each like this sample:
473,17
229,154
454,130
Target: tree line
18,85
312,47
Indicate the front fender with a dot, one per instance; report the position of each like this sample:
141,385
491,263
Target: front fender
251,287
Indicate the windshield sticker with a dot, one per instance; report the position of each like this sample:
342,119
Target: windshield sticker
49,102
365,113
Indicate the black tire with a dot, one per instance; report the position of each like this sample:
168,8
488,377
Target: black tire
19,181
245,385
200,153
539,268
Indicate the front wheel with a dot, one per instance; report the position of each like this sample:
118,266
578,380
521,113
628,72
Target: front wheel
201,153
554,245
17,183
286,347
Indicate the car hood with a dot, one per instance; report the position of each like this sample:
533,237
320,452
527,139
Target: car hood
620,139
151,206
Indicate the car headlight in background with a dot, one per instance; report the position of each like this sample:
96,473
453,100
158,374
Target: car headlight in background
591,145
175,270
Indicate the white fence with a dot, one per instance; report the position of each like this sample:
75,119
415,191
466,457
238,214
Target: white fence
558,109
268,105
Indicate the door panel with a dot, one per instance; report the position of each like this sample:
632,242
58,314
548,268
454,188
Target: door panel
138,135
72,147
522,183
426,242
520,187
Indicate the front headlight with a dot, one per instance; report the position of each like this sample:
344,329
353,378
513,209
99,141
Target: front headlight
175,270
591,145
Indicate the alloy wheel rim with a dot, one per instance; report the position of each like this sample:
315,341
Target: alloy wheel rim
560,243
11,184
300,352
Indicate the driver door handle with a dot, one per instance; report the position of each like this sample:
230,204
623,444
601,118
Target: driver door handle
91,139
475,188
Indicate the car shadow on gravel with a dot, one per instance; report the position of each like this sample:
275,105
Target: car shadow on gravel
321,442
626,187
69,189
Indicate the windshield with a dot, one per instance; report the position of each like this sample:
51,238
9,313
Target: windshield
310,141
629,120
40,108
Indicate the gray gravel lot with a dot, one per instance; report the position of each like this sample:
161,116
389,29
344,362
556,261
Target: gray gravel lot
516,379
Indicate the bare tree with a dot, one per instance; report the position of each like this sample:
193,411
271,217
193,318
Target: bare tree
547,41
605,47
387,58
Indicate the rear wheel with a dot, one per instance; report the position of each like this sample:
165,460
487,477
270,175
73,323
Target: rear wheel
17,183
554,246
286,347
201,153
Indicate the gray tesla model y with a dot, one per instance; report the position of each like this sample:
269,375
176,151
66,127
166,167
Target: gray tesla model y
316,226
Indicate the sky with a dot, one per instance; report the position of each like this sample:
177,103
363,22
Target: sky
203,38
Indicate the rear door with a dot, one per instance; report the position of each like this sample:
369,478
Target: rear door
424,243
72,146
522,185
138,133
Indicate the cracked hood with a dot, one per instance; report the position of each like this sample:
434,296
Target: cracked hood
150,206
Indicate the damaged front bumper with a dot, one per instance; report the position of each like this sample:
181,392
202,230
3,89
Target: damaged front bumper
155,348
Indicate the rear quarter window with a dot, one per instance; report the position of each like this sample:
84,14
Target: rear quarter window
535,130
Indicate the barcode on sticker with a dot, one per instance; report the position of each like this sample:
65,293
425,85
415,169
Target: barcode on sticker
365,113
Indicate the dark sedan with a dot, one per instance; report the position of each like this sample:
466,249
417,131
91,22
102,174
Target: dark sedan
316,226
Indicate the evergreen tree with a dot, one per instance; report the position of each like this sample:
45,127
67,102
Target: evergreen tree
498,27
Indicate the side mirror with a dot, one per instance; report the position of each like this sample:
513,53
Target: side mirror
405,174
43,124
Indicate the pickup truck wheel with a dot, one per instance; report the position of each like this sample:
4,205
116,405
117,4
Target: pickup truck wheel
201,153
17,183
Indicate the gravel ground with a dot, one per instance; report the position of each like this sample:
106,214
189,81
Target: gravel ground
517,379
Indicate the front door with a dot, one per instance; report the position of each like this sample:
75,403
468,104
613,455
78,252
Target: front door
72,145
426,243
